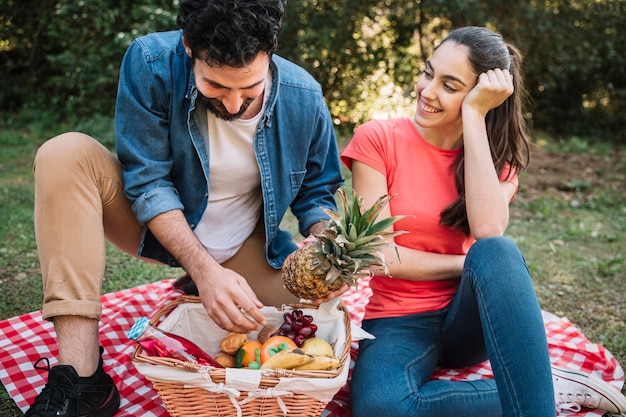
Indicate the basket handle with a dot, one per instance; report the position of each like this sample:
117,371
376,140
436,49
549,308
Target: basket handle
172,305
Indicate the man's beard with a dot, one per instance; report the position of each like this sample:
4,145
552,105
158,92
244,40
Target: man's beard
217,108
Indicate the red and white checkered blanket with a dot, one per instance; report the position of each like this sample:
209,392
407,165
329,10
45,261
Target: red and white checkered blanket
26,338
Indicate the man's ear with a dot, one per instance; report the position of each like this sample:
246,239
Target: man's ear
187,48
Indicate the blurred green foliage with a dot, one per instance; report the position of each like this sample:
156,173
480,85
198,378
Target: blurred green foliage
64,55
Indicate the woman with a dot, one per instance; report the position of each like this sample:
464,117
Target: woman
459,293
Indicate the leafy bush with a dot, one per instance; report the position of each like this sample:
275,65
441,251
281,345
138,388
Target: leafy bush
64,55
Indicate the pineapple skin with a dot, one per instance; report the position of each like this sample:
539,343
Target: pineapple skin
344,252
304,273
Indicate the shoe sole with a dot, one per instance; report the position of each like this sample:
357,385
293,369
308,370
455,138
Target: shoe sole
186,285
110,407
611,394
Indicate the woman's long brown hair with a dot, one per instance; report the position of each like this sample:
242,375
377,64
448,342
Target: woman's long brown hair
507,132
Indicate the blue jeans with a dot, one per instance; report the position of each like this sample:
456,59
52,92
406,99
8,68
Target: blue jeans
494,315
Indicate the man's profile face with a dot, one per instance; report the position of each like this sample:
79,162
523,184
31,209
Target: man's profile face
232,92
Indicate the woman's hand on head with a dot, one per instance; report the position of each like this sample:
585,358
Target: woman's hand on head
491,90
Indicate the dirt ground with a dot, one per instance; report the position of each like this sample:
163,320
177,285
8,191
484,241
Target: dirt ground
572,176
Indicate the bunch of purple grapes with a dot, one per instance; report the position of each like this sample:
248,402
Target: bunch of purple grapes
297,326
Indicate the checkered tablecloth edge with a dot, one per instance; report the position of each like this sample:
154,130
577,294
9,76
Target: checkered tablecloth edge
25,339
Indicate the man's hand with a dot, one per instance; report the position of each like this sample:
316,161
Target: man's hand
337,293
317,229
226,295
229,301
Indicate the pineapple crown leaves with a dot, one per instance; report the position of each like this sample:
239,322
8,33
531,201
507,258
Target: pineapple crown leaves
353,240
358,226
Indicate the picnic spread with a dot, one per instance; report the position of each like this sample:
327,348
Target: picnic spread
27,338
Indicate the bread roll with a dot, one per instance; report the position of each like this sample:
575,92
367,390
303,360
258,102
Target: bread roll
232,342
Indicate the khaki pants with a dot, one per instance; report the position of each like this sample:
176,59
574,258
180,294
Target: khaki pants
80,202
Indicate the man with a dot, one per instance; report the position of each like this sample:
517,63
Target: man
216,138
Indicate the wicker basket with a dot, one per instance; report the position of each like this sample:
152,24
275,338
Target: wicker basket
182,400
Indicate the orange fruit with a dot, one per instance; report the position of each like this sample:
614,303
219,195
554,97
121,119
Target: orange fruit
247,353
275,344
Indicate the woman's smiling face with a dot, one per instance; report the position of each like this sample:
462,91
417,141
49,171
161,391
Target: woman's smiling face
442,87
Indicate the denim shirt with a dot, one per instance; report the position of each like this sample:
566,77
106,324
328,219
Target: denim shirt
160,132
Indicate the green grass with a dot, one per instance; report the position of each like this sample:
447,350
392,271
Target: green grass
575,251
576,257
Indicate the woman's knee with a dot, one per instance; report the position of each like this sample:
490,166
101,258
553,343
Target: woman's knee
495,249
496,257
495,243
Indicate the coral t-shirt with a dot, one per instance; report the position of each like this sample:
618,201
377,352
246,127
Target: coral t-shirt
421,177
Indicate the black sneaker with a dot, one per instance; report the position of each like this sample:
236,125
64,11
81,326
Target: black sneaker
66,394
186,285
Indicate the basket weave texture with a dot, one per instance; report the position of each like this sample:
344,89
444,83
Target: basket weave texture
184,401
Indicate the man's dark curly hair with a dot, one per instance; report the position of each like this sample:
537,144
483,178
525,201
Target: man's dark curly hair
230,32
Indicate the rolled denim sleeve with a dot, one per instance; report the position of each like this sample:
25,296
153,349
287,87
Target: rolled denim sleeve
323,174
142,135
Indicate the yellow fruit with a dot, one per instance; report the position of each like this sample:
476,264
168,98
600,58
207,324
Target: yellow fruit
304,273
350,245
287,359
318,347
320,363
274,345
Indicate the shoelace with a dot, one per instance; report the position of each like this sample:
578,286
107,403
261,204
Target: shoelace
55,393
572,407
574,402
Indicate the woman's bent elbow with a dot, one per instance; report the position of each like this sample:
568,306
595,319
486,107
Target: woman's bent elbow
488,230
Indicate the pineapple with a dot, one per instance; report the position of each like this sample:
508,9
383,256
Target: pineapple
351,244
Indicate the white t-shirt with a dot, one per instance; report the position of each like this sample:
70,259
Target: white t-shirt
235,197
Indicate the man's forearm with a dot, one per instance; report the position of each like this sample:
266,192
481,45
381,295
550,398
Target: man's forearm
173,232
